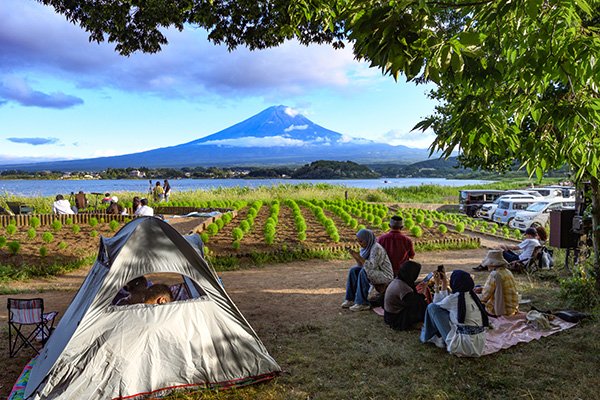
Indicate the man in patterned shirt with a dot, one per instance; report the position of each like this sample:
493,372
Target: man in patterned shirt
499,294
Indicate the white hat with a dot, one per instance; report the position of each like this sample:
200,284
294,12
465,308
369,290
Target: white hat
114,199
494,258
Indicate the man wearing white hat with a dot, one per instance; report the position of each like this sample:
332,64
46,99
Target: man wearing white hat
499,294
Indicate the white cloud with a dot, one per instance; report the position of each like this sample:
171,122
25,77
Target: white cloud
291,112
296,128
420,140
251,141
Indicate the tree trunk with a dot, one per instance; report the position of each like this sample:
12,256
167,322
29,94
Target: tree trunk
596,228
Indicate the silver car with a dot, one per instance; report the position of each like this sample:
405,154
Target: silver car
537,214
507,209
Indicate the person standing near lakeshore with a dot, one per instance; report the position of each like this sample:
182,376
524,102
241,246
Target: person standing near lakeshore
398,246
159,193
167,189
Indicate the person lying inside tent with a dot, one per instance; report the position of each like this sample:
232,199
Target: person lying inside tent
499,294
158,294
133,292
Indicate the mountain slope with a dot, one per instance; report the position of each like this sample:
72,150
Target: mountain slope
275,136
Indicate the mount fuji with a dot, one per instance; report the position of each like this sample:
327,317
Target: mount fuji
275,136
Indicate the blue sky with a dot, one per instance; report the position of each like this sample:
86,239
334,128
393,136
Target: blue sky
64,97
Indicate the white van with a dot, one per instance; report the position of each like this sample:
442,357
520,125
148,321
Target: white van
508,208
537,214
487,210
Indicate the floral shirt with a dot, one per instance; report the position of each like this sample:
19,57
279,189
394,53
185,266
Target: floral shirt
378,266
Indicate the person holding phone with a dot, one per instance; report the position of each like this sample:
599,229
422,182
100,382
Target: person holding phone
373,267
455,321
403,305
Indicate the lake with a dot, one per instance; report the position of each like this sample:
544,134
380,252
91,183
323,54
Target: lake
32,188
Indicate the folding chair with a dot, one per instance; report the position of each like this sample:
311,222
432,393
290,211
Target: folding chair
27,322
531,265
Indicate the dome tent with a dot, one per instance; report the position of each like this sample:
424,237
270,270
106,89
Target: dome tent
103,351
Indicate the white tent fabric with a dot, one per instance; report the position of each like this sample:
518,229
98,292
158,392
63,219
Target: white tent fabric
103,351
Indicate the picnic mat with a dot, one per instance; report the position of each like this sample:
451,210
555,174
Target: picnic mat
18,391
510,331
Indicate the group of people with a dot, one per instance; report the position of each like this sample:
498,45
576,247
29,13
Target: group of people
454,312
142,291
160,193
139,208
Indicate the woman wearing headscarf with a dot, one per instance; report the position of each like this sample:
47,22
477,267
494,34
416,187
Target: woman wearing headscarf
456,321
403,306
167,189
373,267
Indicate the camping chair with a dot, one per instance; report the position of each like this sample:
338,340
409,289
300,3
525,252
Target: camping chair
531,265
81,201
27,322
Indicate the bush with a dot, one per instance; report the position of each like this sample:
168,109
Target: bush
69,221
93,222
420,218
43,251
11,229
205,238
113,225
443,229
236,244
47,237
301,236
416,231
579,290
31,233
94,233
428,222
460,227
62,245
14,247
34,222
237,234
56,225
212,229
409,223
244,226
75,228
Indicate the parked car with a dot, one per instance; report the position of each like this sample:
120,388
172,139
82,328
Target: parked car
508,208
537,214
469,201
555,191
487,210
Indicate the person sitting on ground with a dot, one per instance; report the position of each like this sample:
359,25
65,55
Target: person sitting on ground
106,199
373,268
61,205
398,246
527,246
158,294
114,207
133,292
455,321
158,192
499,294
403,306
144,209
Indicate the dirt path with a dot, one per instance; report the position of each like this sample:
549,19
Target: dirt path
274,299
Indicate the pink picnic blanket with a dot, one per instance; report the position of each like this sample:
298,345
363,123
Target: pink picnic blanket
510,331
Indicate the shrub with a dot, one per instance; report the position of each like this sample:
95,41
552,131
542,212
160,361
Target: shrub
460,227
220,223
236,244
301,236
31,233
245,226
428,222
579,290
420,218
409,223
94,233
69,221
102,220
205,238
416,231
14,247
62,245
11,229
113,225
75,228
43,251
443,229
212,229
237,234
47,237
34,222
93,222
56,225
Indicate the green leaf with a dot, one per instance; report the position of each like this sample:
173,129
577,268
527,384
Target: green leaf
471,38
